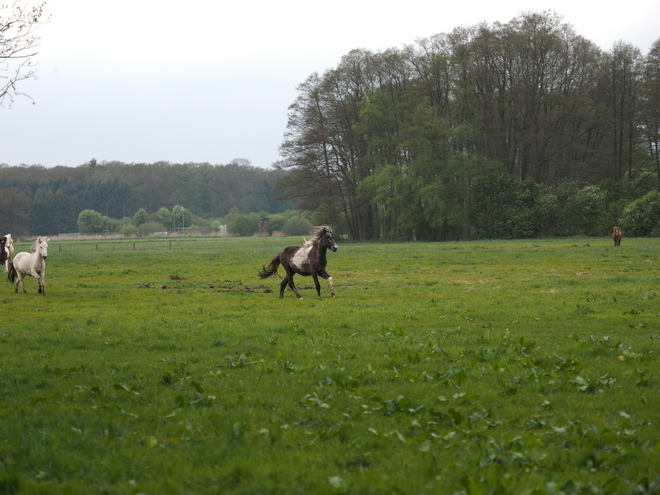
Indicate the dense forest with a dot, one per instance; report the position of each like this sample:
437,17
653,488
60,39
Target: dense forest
48,201
511,130
508,130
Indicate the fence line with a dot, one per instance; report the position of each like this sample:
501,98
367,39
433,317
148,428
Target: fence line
70,245
120,244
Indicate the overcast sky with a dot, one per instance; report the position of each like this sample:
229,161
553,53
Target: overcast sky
141,81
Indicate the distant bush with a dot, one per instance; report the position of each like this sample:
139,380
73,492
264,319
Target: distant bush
165,217
641,218
297,226
114,224
581,210
277,222
140,217
505,207
128,230
91,222
243,226
149,228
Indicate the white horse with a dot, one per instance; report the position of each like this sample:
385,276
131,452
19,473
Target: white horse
31,264
9,252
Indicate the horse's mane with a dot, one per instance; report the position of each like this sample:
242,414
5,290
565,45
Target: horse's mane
317,233
35,245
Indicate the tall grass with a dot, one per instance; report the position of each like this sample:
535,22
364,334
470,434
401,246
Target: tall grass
482,367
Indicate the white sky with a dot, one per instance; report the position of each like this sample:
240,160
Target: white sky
211,81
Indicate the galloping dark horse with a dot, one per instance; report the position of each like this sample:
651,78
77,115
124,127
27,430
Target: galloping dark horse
307,260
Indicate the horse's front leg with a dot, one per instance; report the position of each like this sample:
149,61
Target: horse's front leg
317,285
331,284
40,281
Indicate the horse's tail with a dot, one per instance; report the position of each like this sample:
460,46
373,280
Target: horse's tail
271,269
11,273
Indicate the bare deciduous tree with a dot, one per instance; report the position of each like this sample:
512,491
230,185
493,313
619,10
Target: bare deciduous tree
19,40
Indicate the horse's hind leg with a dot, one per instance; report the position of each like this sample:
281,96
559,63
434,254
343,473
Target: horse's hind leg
19,280
283,285
293,288
289,279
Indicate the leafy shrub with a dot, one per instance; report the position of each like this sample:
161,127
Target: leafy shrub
297,226
548,208
641,218
149,228
243,226
165,217
581,211
128,230
140,217
504,207
277,222
91,222
507,207
113,224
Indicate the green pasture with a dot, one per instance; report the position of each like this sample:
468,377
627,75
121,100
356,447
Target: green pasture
155,366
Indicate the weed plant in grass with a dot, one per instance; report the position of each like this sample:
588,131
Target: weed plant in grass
486,367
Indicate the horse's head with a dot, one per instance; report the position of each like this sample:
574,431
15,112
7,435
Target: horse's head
41,245
326,239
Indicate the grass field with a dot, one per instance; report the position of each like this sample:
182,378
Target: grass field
159,367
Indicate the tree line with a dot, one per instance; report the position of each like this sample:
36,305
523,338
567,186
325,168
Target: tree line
507,130
46,201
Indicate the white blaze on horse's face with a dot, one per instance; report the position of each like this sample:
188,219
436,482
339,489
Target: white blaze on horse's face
332,244
43,246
